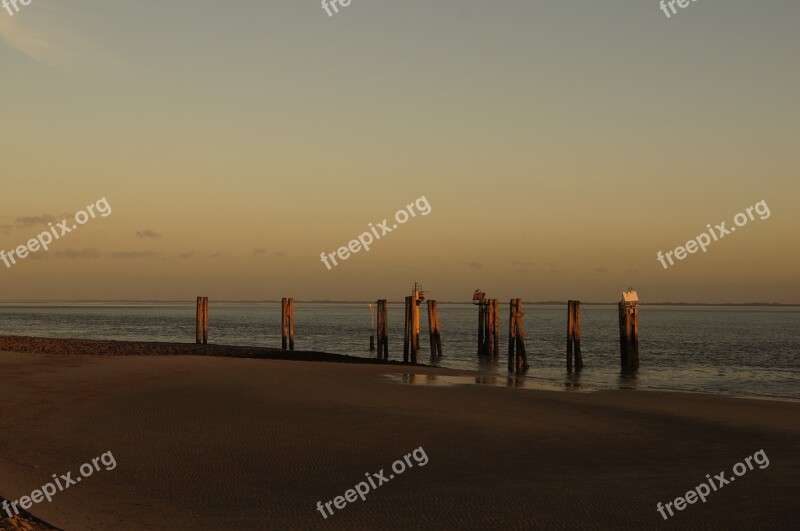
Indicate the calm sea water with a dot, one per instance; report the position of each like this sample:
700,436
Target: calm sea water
751,351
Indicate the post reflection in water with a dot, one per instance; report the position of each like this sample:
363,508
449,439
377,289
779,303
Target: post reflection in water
628,379
573,380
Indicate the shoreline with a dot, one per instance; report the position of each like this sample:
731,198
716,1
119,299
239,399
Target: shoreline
400,302
103,347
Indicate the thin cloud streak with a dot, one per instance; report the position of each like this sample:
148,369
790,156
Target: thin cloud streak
53,33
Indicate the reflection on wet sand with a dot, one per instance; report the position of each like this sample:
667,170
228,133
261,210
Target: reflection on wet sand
498,381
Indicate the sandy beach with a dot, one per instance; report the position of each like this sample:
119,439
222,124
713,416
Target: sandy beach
207,442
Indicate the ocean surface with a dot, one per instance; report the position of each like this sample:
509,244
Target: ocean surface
743,351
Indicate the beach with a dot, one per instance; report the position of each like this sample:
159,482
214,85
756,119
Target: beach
224,442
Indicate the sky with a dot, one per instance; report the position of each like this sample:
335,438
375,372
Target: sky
560,146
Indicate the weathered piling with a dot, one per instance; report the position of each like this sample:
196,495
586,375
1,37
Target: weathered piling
371,328
202,321
495,328
629,330
415,299
488,326
383,336
435,331
574,335
411,327
407,329
517,358
481,327
287,320
205,320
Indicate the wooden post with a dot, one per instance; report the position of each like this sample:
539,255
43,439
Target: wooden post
284,330
576,334
415,326
512,312
291,324
481,325
199,335
496,327
522,358
490,328
407,329
371,328
378,331
629,335
383,339
433,326
287,323
205,320
517,361
436,322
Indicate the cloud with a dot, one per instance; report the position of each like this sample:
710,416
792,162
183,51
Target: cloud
147,233
279,253
67,254
215,255
135,255
555,269
72,254
475,265
600,270
24,222
92,253
258,252
54,33
186,255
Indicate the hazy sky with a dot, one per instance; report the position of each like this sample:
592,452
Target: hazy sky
560,145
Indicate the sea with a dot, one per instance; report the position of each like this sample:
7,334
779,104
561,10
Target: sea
729,350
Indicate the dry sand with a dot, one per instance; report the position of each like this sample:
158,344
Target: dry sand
228,443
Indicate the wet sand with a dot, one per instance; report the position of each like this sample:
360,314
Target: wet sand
228,443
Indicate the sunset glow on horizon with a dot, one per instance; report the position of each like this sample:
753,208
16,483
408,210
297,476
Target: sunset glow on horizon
560,146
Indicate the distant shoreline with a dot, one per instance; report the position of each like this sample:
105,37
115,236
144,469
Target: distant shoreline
277,301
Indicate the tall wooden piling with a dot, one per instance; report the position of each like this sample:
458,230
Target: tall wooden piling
371,328
574,335
287,323
201,335
629,330
205,320
407,329
517,358
488,327
414,326
481,328
495,328
383,336
435,332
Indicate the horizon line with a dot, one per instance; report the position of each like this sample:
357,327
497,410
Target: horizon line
333,301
